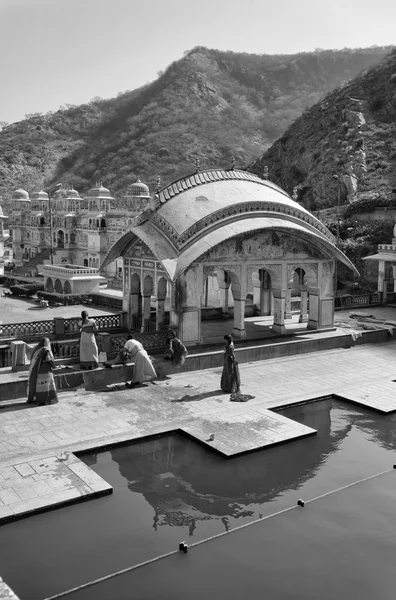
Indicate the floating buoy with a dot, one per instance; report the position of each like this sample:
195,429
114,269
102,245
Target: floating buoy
300,502
183,547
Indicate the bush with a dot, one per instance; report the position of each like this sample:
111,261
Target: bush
27,290
65,299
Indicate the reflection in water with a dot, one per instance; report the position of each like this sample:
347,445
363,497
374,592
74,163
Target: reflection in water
186,483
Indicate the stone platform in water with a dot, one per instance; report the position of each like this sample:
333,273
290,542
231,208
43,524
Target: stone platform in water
188,403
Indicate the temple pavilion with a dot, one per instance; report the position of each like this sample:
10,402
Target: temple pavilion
235,237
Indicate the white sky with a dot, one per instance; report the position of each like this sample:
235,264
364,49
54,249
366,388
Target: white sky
54,52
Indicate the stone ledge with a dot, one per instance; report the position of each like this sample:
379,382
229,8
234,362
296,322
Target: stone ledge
39,485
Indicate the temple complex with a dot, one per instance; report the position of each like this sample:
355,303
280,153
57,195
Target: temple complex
72,229
235,237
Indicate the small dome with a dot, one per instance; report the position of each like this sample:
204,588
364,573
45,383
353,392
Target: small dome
41,195
20,195
99,191
138,189
72,193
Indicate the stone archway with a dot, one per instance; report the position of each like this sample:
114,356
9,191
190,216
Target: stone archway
148,291
61,239
58,286
49,285
162,286
67,288
135,306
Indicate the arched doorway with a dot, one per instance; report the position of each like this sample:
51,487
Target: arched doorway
162,285
67,287
135,303
148,290
58,286
49,285
61,239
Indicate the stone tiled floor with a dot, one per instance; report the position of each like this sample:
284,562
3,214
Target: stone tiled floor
33,439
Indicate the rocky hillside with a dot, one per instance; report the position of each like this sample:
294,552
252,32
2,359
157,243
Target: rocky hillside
209,104
345,143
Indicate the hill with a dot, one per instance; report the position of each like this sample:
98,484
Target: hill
346,145
210,104
350,134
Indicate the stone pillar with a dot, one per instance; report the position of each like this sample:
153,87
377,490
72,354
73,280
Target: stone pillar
238,330
381,280
190,289
321,298
239,290
279,311
304,305
288,313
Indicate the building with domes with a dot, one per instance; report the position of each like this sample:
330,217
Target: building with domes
233,232
72,228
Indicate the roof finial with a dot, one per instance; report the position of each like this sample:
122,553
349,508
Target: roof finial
266,172
197,164
232,162
295,193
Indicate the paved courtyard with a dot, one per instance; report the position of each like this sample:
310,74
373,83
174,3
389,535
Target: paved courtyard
38,467
20,310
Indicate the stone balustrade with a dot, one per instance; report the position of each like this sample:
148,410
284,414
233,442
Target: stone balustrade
70,270
58,326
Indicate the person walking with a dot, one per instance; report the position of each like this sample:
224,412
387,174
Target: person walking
89,355
41,382
175,350
230,378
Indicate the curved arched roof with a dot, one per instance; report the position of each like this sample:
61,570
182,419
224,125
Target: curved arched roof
196,213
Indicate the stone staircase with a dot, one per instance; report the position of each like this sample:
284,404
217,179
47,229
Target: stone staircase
32,266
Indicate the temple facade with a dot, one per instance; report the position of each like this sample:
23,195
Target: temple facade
232,233
72,229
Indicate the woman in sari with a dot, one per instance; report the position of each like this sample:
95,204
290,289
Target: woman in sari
230,379
41,382
175,350
143,369
89,356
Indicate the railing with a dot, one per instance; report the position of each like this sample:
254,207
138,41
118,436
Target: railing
19,330
37,328
66,349
71,270
357,300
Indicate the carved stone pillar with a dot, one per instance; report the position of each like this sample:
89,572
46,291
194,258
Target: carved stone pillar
190,291
279,311
239,290
239,318
288,313
321,298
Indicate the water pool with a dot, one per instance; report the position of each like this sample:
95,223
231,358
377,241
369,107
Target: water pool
171,489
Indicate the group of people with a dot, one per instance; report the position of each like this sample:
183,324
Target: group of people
41,382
